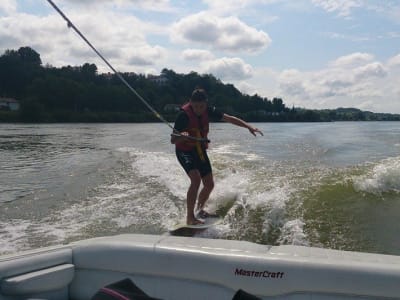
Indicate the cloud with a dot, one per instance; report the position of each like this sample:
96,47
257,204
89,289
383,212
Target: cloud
30,30
246,88
221,33
229,69
147,55
152,5
291,83
387,9
235,5
197,54
351,80
353,38
341,7
115,37
8,7
368,71
394,61
222,5
352,59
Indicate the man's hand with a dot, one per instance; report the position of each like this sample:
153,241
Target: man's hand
241,123
182,138
253,131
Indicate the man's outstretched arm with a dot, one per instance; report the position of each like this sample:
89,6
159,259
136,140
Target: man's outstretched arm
239,122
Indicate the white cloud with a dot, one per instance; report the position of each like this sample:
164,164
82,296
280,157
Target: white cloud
264,83
349,37
22,29
8,7
235,5
291,83
114,37
394,61
246,88
368,71
146,55
387,9
222,5
222,33
249,9
341,7
154,5
352,80
197,54
352,60
229,69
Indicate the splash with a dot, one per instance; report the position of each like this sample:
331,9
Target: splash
293,233
12,235
383,178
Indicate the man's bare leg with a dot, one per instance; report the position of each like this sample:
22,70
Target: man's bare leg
208,186
195,180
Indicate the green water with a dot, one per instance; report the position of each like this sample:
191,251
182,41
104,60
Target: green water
333,185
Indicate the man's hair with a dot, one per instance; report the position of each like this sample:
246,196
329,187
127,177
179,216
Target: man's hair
199,95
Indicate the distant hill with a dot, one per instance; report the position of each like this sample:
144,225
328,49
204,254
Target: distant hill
354,114
80,94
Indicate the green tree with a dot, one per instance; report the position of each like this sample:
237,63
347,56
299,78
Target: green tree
79,93
17,71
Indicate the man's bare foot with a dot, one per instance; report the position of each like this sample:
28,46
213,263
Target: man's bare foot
204,214
194,221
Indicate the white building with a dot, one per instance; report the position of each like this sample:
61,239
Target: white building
9,104
160,79
172,107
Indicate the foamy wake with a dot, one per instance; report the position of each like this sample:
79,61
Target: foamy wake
384,177
12,235
240,182
165,172
293,233
151,193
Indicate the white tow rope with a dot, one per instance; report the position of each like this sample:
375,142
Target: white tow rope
71,25
161,118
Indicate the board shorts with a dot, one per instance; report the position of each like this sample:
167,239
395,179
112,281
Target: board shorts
190,160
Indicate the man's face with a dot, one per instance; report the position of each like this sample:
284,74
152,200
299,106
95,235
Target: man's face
199,107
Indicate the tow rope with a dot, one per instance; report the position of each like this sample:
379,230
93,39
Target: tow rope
159,116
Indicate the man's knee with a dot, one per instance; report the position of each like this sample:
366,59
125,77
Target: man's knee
195,179
208,183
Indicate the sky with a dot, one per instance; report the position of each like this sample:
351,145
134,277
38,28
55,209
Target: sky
314,54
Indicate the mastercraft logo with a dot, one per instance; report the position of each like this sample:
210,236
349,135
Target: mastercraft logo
259,274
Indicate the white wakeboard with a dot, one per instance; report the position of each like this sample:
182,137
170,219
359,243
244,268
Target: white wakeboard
182,227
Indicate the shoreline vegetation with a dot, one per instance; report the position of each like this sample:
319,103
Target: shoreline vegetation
78,94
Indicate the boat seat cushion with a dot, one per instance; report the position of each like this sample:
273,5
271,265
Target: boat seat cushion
49,279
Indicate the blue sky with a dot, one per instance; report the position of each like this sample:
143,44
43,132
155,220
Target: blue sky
312,53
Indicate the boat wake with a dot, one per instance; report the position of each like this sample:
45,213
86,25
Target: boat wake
384,177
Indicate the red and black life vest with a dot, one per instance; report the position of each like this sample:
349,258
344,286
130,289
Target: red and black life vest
198,127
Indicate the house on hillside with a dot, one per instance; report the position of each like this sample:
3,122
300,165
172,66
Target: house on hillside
9,104
172,108
158,79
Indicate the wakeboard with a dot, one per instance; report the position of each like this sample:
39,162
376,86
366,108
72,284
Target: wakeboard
184,229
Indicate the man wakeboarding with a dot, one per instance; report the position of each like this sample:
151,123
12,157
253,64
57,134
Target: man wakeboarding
191,143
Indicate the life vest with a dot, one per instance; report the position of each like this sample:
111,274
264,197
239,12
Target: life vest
198,127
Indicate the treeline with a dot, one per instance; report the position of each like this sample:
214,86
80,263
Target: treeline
80,94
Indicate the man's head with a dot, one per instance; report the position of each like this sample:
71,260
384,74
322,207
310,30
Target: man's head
199,101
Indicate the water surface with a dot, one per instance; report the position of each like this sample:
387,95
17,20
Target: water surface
333,185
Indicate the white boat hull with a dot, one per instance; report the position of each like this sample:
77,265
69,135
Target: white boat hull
174,268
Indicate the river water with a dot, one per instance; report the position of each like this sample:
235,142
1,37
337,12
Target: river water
332,185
